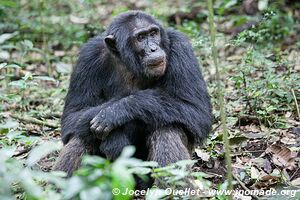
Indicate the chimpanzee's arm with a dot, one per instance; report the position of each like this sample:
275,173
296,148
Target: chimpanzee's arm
84,94
182,99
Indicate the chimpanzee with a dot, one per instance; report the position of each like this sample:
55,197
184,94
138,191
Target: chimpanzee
140,85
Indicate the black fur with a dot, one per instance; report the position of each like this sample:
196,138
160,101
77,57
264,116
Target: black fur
170,114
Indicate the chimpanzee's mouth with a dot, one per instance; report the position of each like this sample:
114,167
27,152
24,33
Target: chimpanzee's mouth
157,64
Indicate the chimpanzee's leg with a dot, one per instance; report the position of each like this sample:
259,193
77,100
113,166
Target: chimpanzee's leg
69,158
132,133
168,145
111,147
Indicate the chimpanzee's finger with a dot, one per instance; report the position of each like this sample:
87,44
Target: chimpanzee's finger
93,120
100,129
94,127
105,134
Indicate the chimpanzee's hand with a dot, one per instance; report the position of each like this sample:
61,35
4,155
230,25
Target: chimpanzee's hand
110,117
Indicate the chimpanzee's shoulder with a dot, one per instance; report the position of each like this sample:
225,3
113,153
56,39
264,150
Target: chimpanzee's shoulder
177,36
94,46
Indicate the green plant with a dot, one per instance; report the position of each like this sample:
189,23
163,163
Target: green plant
98,177
264,87
26,182
273,27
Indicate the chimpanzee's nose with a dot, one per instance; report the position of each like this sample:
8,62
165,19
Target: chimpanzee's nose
153,48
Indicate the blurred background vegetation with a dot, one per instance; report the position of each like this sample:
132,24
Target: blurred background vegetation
258,50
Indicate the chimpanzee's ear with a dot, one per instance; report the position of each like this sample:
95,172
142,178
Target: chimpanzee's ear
111,43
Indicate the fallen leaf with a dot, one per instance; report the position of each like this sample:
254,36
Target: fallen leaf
282,156
266,182
296,130
253,129
295,182
288,114
258,162
254,173
35,55
203,155
78,20
237,140
286,140
267,166
254,135
63,68
238,195
59,53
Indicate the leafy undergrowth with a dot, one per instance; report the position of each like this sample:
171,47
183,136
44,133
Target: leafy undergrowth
259,56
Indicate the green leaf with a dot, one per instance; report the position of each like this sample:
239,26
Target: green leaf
30,140
140,170
41,151
45,78
156,194
148,164
8,3
27,76
19,84
31,187
28,44
91,194
63,68
75,185
7,36
262,4
14,135
2,65
122,180
184,163
128,152
13,66
9,123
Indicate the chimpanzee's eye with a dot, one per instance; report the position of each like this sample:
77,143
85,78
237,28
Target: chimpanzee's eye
140,37
153,33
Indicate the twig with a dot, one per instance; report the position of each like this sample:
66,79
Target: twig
216,128
22,152
51,115
34,121
220,96
244,152
243,185
294,174
296,102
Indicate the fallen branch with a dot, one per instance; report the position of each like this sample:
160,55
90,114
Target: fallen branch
243,185
34,121
22,152
52,115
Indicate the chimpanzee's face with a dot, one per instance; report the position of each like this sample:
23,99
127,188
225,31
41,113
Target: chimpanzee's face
145,54
147,44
